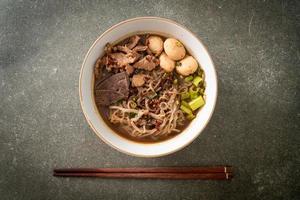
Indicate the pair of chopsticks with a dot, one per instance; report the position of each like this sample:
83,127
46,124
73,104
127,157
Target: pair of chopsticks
203,173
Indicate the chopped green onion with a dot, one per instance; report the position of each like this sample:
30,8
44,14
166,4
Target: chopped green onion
133,105
185,104
197,80
191,116
186,110
193,93
188,79
152,95
134,98
193,89
185,95
202,91
165,75
196,103
132,115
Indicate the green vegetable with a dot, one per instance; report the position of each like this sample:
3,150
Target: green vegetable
186,110
193,93
133,105
188,79
185,95
165,75
191,116
197,80
152,95
132,115
134,98
202,91
194,96
193,89
185,104
196,103
175,81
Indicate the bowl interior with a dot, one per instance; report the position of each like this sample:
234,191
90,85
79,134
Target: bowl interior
163,27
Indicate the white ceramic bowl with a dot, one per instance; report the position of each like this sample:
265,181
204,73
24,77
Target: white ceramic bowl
192,44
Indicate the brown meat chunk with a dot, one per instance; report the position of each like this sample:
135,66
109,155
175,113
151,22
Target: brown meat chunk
129,69
108,48
98,68
112,89
138,80
133,41
147,63
108,62
124,49
122,59
140,48
105,61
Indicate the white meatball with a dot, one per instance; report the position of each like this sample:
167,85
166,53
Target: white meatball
166,63
174,49
187,66
155,44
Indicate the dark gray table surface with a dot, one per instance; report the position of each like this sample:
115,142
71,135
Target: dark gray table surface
255,128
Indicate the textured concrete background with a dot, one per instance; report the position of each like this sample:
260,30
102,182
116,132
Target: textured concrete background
256,49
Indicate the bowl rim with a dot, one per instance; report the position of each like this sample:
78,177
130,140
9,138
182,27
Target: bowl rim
81,98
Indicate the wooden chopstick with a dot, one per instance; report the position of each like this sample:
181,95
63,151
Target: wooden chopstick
214,173
203,176
217,169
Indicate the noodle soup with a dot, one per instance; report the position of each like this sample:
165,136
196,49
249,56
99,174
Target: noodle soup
148,88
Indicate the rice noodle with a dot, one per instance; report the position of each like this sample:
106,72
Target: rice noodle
155,116
124,109
151,115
